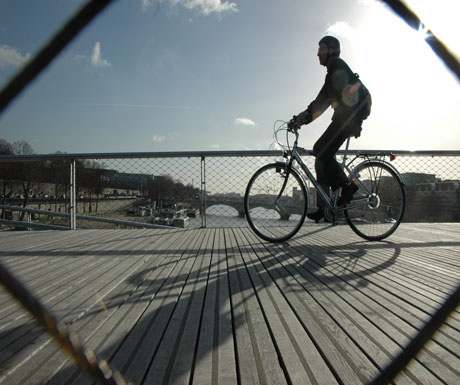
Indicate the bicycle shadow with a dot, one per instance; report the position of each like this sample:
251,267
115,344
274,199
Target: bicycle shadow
178,310
341,264
331,264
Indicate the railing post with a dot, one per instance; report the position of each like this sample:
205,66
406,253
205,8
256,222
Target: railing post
203,191
73,200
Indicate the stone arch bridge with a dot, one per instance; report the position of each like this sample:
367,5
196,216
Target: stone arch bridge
238,204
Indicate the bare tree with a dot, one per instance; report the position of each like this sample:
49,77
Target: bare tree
25,171
5,171
89,174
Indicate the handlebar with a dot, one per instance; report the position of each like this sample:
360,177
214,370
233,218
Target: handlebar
284,126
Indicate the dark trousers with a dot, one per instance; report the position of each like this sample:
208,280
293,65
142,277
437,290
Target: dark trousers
328,170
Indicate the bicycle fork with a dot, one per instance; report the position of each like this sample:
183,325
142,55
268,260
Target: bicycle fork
287,169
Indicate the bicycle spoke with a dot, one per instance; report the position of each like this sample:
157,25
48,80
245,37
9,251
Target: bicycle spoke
275,203
379,214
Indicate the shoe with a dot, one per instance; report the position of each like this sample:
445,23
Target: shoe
347,194
316,215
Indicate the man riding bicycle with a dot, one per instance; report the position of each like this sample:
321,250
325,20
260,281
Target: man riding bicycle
346,122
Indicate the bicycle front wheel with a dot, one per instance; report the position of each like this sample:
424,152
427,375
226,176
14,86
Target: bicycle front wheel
378,206
275,202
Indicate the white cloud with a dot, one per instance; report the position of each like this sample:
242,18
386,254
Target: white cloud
158,138
344,30
244,122
215,146
10,57
79,57
205,7
96,58
145,4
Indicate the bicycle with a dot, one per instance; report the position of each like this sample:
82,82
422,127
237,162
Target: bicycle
277,198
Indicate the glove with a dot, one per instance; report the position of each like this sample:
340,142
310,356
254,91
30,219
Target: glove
293,124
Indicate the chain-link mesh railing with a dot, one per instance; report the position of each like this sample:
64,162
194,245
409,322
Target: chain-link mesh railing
427,189
187,189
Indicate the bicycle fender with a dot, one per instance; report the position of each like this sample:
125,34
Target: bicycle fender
382,162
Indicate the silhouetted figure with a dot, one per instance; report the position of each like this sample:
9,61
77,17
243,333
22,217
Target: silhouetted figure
341,90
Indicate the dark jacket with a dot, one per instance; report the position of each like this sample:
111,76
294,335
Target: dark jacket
336,93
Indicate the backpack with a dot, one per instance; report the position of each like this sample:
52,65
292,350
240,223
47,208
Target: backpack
355,95
364,98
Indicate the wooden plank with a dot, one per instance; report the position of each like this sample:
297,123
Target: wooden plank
398,320
303,363
262,351
215,362
121,268
206,365
35,240
174,319
348,365
106,332
46,254
18,239
160,370
141,344
25,261
220,306
54,268
226,360
62,301
376,345
247,355
184,357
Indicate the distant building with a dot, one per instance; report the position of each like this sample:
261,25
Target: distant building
297,195
412,178
431,199
116,176
228,195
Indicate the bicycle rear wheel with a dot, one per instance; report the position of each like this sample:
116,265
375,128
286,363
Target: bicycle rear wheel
275,202
378,206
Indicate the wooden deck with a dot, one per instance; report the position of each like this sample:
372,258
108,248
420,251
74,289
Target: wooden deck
218,306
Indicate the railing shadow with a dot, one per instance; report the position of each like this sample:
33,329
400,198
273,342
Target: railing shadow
187,302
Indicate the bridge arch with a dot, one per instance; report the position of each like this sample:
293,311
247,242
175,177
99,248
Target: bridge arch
226,209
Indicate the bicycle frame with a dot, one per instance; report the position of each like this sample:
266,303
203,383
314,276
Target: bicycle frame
374,214
331,202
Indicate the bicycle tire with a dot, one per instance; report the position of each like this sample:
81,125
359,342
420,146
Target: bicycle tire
272,219
386,200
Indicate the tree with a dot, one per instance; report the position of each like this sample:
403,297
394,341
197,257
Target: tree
21,147
89,175
5,171
24,171
163,187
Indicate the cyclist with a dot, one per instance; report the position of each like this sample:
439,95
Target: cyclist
346,122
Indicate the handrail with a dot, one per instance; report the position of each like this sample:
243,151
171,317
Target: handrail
133,155
31,225
209,154
86,217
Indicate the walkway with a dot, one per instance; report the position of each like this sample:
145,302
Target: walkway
218,306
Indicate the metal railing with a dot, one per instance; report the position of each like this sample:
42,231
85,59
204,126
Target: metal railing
186,189
100,371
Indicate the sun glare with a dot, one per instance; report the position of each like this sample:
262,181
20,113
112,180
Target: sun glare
441,17
412,90
423,32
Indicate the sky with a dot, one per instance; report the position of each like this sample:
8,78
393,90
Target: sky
192,75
